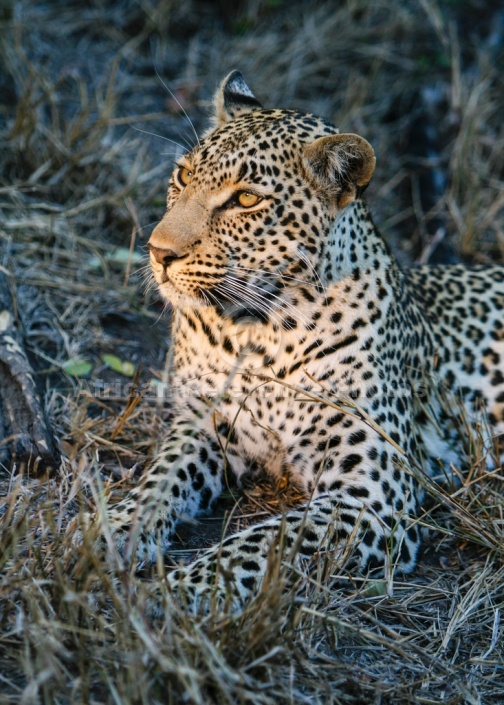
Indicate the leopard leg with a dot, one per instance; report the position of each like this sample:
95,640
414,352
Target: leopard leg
343,528
184,480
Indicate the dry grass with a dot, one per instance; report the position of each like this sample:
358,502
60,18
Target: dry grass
88,136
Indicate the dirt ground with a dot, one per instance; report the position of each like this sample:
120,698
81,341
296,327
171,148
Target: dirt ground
97,101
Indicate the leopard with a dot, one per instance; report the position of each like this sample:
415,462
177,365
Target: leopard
300,348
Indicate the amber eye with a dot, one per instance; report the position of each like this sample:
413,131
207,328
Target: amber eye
247,199
183,175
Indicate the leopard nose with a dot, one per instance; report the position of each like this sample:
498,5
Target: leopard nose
164,257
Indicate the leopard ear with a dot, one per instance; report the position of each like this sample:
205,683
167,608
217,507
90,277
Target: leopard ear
233,98
342,164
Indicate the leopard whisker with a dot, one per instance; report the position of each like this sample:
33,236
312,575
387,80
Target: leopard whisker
254,297
284,304
210,295
143,270
287,307
255,300
182,148
241,296
276,272
149,282
190,122
311,268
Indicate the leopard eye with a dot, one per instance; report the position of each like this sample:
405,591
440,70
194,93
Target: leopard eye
183,175
247,199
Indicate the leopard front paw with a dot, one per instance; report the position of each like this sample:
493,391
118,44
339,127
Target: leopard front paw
132,540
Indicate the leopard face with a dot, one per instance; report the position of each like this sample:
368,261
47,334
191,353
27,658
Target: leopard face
243,231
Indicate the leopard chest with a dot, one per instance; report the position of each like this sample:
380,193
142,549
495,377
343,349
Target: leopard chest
273,387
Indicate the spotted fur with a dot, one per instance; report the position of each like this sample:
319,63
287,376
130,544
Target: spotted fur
299,346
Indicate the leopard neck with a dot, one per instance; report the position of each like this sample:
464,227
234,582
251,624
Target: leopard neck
356,246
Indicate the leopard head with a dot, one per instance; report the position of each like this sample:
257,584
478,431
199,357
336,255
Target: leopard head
249,209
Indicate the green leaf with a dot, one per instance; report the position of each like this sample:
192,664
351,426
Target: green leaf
376,588
125,368
120,256
77,367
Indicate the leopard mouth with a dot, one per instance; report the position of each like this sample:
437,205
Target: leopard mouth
176,296
237,298
233,296
234,309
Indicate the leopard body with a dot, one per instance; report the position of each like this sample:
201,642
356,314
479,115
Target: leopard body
299,346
